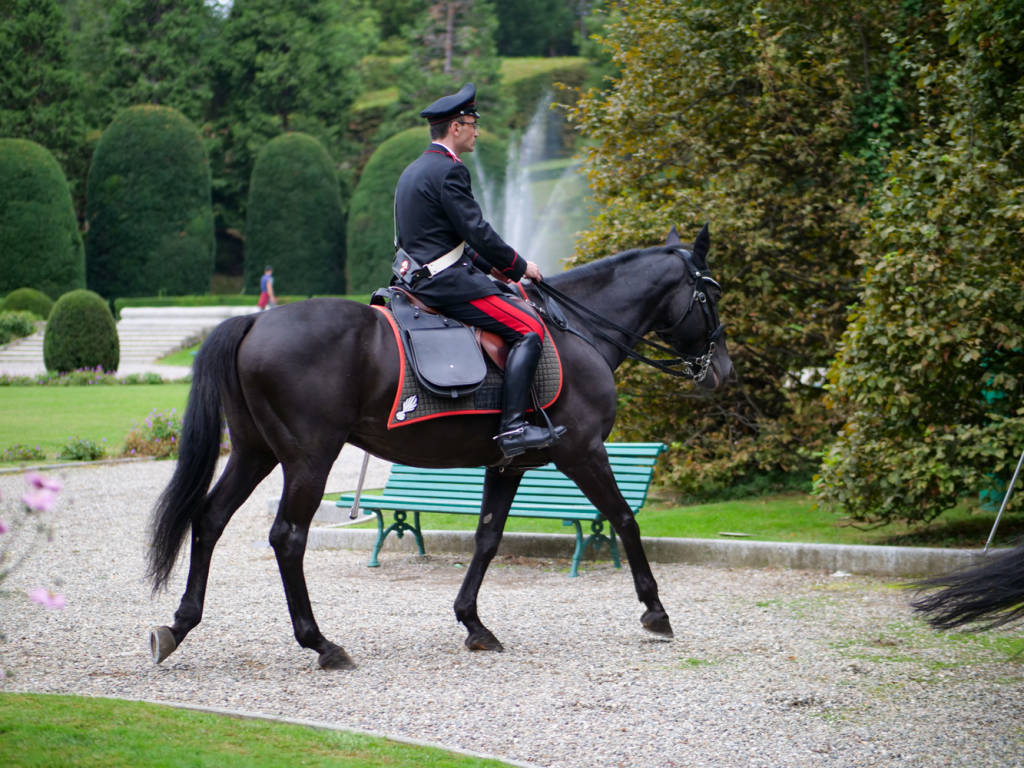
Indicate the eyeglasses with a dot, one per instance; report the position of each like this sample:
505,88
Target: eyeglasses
475,126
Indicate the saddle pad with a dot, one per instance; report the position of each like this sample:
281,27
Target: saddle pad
413,403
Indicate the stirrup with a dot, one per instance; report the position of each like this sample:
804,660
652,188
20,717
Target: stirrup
507,441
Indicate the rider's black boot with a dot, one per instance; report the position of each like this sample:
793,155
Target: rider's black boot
516,436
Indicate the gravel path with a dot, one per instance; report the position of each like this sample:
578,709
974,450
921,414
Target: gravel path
768,668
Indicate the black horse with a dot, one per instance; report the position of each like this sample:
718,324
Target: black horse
297,383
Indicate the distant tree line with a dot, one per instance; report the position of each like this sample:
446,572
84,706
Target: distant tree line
248,71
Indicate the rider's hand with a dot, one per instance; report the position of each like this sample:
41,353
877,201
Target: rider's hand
533,272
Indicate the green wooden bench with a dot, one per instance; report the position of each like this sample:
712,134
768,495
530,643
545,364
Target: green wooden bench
544,493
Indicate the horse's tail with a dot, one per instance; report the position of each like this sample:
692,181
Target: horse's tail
992,592
214,373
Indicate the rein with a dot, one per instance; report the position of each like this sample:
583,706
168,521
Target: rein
684,366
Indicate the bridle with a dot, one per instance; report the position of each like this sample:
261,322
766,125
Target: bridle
694,367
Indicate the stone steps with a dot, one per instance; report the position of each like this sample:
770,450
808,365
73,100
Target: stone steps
146,334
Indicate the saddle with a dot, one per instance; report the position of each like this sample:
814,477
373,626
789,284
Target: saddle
446,355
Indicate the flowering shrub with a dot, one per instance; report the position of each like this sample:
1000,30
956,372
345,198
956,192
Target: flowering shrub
81,449
158,436
21,529
22,453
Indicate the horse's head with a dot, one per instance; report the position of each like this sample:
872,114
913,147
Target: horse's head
694,330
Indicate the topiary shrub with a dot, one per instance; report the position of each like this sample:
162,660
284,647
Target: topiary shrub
148,207
294,219
81,333
39,237
28,300
371,214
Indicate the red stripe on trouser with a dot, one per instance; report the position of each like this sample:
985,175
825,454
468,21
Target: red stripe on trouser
509,315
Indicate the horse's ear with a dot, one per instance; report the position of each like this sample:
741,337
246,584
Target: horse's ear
673,237
701,246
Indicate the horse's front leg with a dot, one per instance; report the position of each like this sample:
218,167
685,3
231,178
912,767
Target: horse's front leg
597,482
499,490
288,535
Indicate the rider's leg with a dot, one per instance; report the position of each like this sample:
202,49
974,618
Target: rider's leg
516,436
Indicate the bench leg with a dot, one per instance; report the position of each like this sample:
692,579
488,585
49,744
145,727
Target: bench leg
580,549
596,538
400,526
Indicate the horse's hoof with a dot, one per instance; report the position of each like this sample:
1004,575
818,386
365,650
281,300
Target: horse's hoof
161,643
657,622
483,640
335,658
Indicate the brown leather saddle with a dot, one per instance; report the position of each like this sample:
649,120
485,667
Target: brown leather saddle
446,355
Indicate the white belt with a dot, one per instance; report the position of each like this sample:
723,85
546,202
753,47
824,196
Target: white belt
443,262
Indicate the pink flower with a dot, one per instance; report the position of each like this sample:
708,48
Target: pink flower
46,598
40,500
3,527
42,493
37,480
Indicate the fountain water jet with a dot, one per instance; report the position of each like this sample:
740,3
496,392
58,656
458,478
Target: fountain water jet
535,212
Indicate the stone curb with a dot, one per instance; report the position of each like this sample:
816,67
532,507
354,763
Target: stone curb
891,562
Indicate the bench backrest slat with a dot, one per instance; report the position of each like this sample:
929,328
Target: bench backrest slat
543,489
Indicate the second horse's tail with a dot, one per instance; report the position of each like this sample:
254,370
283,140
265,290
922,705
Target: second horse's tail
213,373
992,592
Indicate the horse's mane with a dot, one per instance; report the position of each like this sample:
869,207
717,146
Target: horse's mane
605,263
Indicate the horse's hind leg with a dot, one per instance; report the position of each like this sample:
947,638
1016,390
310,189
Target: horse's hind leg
597,482
239,479
303,488
499,490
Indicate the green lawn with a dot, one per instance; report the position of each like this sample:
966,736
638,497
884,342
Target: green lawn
42,731
47,416
790,517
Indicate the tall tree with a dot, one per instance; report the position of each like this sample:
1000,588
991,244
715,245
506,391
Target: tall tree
39,90
930,374
738,113
536,27
282,66
451,43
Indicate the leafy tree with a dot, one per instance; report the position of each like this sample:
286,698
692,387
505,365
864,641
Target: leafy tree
754,144
295,220
931,368
451,43
149,214
146,52
39,90
283,66
40,246
535,27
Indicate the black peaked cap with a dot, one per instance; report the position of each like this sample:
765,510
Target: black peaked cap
448,107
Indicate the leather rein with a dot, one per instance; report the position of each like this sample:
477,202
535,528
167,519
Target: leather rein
694,367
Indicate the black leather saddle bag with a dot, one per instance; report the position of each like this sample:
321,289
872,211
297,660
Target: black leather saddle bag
443,352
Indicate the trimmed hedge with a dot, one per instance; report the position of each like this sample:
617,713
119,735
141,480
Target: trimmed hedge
148,207
28,300
294,219
39,236
371,214
16,325
81,333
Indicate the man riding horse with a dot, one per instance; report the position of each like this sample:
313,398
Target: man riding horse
447,251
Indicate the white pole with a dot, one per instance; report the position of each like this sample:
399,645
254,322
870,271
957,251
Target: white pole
1006,498
354,511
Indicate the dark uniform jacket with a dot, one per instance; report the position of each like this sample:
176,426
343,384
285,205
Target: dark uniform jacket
434,212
